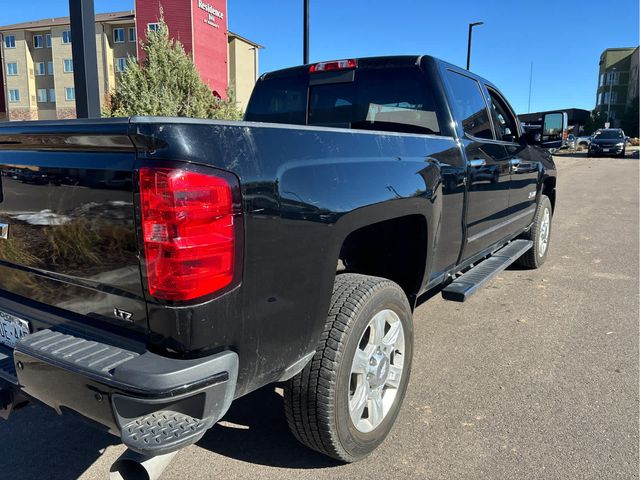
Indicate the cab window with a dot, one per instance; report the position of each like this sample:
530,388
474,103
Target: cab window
503,120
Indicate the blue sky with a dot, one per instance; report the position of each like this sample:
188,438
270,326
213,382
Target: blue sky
562,39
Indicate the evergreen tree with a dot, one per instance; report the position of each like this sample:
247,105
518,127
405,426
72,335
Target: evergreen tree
631,118
166,83
595,121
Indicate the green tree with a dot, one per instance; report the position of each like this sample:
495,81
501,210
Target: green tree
166,83
595,121
631,119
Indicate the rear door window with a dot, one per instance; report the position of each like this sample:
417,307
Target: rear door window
469,105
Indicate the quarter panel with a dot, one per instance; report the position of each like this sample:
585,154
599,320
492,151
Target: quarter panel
304,190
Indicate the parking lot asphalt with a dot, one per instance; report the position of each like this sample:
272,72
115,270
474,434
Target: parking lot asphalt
535,377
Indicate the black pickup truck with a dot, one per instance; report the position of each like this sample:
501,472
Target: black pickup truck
161,268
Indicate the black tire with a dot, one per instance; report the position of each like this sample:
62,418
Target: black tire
624,153
317,399
535,256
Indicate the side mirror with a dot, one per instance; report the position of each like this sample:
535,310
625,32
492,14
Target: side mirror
554,129
626,139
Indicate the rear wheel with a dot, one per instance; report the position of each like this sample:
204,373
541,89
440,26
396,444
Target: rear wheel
344,403
540,235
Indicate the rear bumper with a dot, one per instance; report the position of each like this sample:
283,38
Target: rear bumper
155,404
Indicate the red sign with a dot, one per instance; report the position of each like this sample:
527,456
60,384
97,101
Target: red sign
210,44
201,27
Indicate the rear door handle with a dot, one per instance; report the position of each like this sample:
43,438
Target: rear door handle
477,162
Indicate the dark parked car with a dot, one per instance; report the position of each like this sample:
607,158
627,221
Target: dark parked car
34,177
292,247
608,142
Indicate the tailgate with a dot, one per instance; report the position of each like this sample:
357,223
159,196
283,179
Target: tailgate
67,219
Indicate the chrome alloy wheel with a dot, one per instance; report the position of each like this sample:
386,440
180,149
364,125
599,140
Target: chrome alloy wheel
376,371
543,240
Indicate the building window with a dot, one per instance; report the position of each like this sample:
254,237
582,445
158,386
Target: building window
47,40
121,64
37,41
132,34
52,95
153,27
49,68
118,35
42,95
66,36
12,68
613,78
68,65
610,97
70,93
14,95
40,69
10,41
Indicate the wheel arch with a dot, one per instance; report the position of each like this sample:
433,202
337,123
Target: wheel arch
549,189
395,248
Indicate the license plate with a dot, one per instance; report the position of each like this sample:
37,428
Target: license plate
605,149
12,329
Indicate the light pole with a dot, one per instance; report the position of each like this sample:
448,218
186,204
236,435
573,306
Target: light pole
471,25
85,62
610,75
305,48
530,85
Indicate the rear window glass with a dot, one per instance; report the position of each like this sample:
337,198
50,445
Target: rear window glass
395,100
279,100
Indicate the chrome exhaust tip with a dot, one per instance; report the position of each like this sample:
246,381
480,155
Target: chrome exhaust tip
134,466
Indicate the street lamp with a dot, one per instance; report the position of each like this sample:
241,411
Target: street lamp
610,75
471,25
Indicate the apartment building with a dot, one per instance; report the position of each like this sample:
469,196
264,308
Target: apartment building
617,82
37,62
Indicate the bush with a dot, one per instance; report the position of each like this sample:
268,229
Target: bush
166,83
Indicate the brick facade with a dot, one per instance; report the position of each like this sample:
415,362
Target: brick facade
18,114
66,113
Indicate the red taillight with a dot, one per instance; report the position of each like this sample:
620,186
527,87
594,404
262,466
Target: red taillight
334,65
189,232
